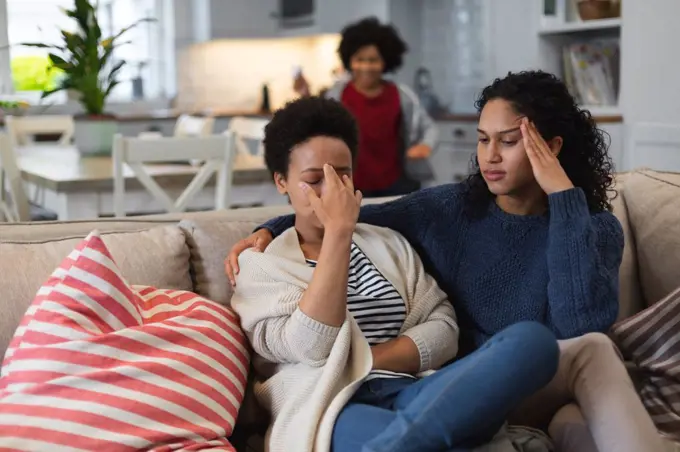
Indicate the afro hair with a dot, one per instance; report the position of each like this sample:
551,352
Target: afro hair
368,32
301,120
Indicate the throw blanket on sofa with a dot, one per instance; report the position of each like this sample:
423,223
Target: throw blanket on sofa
310,369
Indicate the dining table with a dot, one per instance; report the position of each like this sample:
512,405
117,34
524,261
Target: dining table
77,186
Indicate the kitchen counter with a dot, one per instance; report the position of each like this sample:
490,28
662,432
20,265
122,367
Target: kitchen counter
452,117
171,115
174,114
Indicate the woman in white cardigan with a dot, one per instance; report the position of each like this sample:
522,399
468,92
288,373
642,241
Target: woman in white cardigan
346,323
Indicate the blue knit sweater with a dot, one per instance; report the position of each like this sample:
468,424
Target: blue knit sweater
560,269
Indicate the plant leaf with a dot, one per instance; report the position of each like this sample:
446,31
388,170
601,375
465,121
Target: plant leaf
59,62
115,69
50,91
133,25
41,46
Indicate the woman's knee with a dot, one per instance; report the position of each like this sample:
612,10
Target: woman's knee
534,347
598,344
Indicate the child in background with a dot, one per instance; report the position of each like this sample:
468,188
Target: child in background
395,133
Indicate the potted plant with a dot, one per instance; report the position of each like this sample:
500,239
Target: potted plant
89,73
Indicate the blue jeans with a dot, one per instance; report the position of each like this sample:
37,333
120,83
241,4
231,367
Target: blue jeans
455,409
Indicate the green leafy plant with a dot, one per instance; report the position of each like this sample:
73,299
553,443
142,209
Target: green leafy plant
84,57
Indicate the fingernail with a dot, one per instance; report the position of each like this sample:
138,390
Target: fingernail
303,186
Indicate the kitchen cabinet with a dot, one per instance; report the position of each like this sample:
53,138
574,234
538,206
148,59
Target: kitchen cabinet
231,19
250,19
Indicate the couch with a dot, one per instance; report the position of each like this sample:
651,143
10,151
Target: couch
187,251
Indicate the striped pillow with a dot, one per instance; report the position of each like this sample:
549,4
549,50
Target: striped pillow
651,339
98,364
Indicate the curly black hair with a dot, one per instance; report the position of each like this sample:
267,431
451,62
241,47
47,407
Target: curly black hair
368,32
302,119
545,100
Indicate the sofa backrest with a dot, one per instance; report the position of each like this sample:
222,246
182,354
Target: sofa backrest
187,251
148,252
652,201
630,297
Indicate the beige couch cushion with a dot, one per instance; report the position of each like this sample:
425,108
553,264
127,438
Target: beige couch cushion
630,298
653,202
158,257
211,236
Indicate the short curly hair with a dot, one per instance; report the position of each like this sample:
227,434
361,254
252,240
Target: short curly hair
368,32
545,100
302,119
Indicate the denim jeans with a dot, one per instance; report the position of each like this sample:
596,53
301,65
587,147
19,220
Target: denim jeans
459,407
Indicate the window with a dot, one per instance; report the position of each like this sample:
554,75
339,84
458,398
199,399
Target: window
144,75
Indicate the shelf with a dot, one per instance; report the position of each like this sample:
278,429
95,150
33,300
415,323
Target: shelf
602,110
580,26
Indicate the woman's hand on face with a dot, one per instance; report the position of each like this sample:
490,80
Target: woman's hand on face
419,151
338,207
258,241
547,169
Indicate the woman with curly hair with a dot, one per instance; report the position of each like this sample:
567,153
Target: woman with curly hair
340,355
395,132
530,236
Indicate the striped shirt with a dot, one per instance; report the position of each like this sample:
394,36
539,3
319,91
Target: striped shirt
375,304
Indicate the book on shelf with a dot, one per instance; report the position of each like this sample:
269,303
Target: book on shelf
591,71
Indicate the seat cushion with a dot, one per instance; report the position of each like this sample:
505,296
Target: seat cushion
107,365
158,256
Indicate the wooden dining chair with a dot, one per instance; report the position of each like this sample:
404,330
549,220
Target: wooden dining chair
216,151
14,203
248,130
194,126
23,129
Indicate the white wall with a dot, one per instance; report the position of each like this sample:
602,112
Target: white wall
650,61
407,17
224,75
511,33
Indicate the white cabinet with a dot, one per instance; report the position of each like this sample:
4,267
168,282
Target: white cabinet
243,19
262,18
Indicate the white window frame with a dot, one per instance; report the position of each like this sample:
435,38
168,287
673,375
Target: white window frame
163,75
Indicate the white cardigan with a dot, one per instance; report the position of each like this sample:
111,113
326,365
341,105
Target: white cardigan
310,370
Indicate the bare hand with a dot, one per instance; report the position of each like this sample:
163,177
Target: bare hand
547,169
258,241
301,86
419,151
338,207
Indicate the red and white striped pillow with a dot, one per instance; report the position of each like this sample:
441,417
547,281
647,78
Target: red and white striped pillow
98,364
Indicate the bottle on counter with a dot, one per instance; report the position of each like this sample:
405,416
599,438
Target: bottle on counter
265,106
